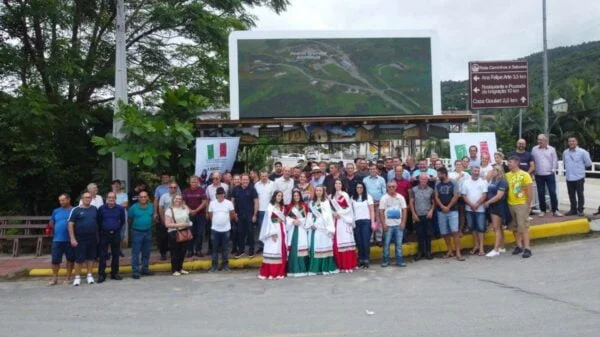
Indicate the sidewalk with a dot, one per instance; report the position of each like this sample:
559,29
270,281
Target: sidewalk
542,227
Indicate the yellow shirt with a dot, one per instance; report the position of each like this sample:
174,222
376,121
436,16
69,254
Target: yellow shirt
517,184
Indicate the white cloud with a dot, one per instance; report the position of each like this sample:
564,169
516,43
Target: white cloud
468,30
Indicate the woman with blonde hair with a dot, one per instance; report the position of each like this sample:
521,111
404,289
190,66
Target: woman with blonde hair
497,206
177,218
499,161
320,236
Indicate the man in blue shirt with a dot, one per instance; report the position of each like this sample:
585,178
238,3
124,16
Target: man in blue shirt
140,217
83,232
424,168
375,185
576,160
111,218
245,201
60,241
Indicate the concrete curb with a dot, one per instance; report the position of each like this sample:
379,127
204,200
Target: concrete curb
571,227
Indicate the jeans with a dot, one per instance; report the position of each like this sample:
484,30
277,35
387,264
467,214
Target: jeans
476,221
575,188
220,240
397,233
199,222
162,238
245,232
112,239
362,233
177,252
140,242
424,232
541,182
260,217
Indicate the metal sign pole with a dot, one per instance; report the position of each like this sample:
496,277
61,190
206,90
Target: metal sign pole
119,166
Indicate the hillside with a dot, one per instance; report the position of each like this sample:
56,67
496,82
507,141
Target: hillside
580,61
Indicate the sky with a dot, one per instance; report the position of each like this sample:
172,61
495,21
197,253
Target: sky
467,30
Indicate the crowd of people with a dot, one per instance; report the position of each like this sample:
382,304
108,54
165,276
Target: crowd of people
317,218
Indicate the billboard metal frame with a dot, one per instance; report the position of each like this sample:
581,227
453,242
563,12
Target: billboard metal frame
235,36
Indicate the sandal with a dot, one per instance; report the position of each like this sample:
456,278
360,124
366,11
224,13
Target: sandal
481,253
474,251
448,255
460,258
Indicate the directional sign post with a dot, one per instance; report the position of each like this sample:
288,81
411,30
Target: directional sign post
498,84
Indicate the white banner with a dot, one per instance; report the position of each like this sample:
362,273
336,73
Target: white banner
485,142
215,154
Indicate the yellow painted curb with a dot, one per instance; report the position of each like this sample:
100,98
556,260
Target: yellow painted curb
571,227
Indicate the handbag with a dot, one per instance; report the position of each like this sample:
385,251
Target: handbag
182,235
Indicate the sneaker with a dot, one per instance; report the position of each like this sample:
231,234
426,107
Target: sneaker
401,264
580,214
527,253
116,277
77,281
176,273
147,273
541,214
237,256
226,269
493,253
558,214
251,255
184,272
518,250
502,250
385,264
135,276
212,270
101,278
90,279
569,213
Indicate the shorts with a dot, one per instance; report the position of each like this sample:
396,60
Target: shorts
62,248
476,221
520,218
86,250
448,222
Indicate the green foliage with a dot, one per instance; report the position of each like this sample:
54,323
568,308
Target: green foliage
160,141
574,74
435,145
57,69
256,156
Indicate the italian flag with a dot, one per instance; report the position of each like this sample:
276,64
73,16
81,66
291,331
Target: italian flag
210,149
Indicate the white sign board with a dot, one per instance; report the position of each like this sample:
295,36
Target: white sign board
485,142
215,154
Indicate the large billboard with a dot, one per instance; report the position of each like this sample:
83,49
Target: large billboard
317,74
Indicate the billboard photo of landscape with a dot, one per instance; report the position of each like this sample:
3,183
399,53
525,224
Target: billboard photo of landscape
334,77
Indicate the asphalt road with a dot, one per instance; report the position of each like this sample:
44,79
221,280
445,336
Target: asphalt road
555,293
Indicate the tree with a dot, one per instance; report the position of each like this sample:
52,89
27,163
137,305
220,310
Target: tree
58,56
161,140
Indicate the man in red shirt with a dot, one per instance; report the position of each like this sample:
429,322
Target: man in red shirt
195,199
403,187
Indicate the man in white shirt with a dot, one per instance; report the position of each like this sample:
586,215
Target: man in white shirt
264,188
211,190
474,193
392,212
285,184
546,165
220,212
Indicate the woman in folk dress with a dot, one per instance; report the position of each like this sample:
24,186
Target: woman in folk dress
272,234
321,232
297,236
344,246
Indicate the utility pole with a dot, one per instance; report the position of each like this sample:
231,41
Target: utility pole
119,166
545,71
